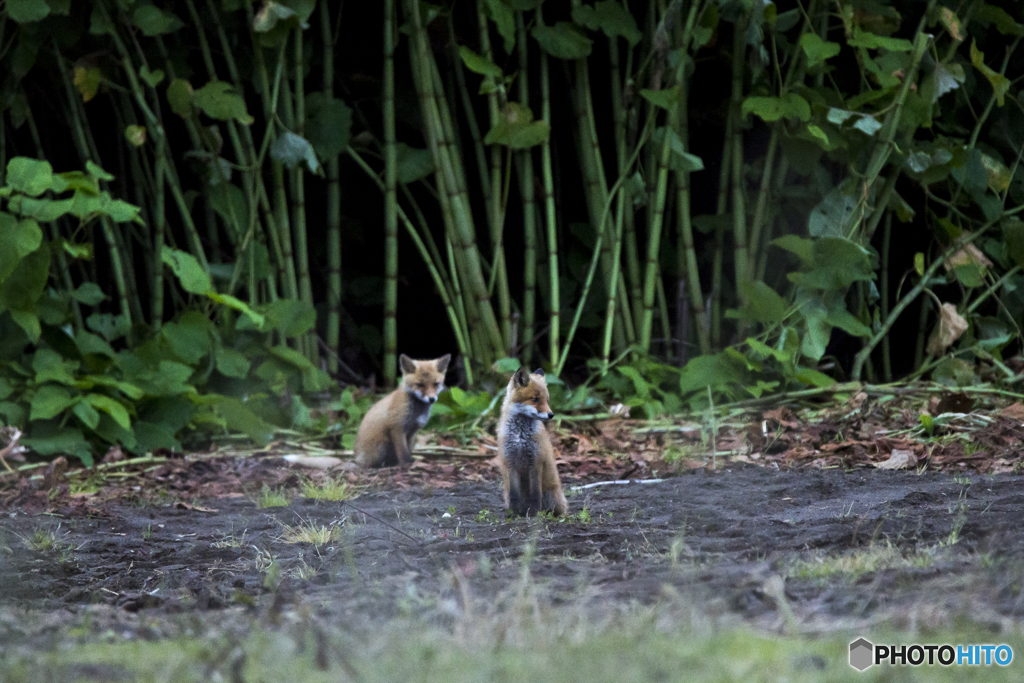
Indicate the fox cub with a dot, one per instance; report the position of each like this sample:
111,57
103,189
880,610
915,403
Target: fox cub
388,431
528,473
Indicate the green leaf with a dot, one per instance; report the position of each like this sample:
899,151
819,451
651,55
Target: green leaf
562,40
714,370
790,105
109,326
291,356
218,100
867,124
679,159
152,78
839,317
802,247
293,318
1013,235
763,303
478,64
50,401
150,436
179,96
112,408
135,135
191,275
838,263
517,129
875,42
232,363
49,439
818,51
814,378
25,11
270,14
413,164
291,150
238,417
611,17
17,240
763,350
188,337
230,203
328,124
87,414
1003,22
154,21
50,366
666,99
504,20
506,366
89,293
830,217
1000,83
238,305
44,210
31,176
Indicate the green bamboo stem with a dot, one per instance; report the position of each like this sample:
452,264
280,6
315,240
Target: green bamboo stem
298,184
884,296
554,305
445,159
718,259
390,202
526,191
739,210
469,114
333,217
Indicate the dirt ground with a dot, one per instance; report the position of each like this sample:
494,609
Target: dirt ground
774,539
852,548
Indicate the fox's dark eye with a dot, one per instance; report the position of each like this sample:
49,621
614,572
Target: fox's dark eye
437,384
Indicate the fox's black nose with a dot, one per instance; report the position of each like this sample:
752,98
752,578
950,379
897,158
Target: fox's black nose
431,399
548,415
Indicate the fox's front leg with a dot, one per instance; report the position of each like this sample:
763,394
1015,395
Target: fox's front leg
403,451
533,498
513,496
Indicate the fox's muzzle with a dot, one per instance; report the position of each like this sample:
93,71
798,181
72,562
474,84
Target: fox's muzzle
545,416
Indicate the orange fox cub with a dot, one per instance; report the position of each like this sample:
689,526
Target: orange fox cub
528,473
388,431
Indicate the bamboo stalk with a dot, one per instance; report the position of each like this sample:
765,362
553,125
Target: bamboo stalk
526,191
390,202
298,184
739,210
554,306
333,217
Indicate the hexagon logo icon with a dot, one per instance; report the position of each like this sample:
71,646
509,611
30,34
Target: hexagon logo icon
861,654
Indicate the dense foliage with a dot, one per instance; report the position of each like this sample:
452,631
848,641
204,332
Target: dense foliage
767,194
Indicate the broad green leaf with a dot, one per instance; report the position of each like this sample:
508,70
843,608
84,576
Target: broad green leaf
1003,22
89,293
838,116
238,417
1013,235
838,263
291,150
154,21
87,414
111,407
478,64
839,317
517,129
18,239
291,356
92,381
20,291
790,105
193,278
328,124
25,11
50,366
238,305
714,370
135,135
763,350
188,337
232,363
506,366
609,16
666,99
179,96
291,317
818,51
562,40
763,304
817,330
50,439
504,20
31,176
230,203
679,159
110,327
413,164
50,401
150,436
87,81
44,210
952,23
270,14
831,216
947,77
219,100
814,378
867,124
1000,83
152,78
872,41
802,247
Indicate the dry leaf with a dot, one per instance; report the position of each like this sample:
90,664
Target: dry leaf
966,255
951,325
619,410
898,460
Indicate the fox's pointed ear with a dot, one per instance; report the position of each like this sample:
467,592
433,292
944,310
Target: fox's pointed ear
442,363
539,371
522,377
407,364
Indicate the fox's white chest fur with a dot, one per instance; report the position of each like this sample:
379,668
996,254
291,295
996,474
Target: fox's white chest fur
519,436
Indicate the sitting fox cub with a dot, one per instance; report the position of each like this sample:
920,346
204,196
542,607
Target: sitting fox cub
388,431
528,473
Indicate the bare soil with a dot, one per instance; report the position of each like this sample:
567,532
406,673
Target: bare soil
931,548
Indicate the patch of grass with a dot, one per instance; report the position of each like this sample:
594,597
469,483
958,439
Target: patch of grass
308,532
231,541
332,489
43,540
859,562
271,498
